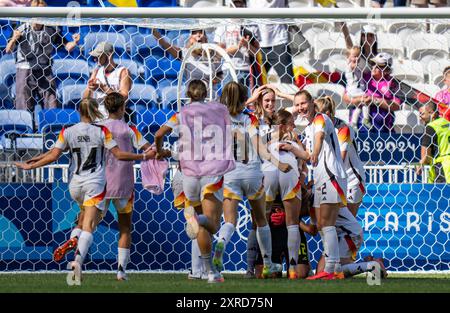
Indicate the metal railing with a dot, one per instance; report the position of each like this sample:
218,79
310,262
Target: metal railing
375,174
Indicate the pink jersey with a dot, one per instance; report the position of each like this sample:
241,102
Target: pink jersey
205,139
119,174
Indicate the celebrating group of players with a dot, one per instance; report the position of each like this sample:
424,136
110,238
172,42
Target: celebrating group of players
238,153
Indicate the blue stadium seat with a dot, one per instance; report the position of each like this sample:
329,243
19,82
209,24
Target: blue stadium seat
142,46
135,68
169,97
149,121
77,70
157,3
6,31
7,76
57,117
71,95
118,40
161,68
17,121
142,96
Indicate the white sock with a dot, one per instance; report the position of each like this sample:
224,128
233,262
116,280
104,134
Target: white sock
207,262
197,265
265,243
84,243
225,233
293,243
331,249
76,232
358,268
355,116
252,250
123,257
365,112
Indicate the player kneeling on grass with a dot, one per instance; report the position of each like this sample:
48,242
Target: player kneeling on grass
246,180
350,238
205,130
86,142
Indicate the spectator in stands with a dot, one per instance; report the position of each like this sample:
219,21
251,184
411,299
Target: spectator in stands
426,3
435,144
36,44
274,42
14,3
354,91
381,88
242,45
367,43
108,77
444,95
197,64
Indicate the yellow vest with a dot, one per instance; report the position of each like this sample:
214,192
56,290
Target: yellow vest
442,128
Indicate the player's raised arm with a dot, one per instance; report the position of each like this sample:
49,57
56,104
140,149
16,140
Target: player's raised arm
47,158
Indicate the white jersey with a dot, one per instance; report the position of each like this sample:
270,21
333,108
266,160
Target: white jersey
329,166
87,143
346,224
353,166
112,80
244,127
282,156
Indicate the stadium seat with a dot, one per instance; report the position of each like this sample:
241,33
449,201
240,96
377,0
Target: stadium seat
406,122
17,121
158,3
169,97
326,44
200,3
435,70
142,96
6,31
334,90
56,117
336,62
390,43
71,95
428,89
421,45
402,28
160,68
408,70
133,67
343,114
355,28
7,76
301,3
311,30
118,40
143,46
77,70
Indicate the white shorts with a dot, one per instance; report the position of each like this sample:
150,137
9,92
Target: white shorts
122,205
286,184
195,188
237,189
349,246
330,192
355,193
88,194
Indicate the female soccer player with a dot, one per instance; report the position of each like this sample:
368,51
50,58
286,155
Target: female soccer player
349,153
286,148
329,181
86,142
246,180
204,159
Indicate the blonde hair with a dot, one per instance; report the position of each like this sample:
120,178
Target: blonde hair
354,48
234,96
89,109
197,90
259,110
326,104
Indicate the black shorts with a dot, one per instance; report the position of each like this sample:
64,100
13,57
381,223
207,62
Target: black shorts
280,250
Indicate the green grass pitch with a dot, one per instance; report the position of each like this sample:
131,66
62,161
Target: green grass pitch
169,283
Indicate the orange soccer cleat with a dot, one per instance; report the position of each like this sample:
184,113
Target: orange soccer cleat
323,276
68,246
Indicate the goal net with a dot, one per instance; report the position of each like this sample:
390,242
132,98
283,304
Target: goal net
406,219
